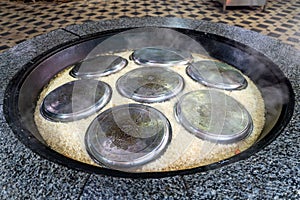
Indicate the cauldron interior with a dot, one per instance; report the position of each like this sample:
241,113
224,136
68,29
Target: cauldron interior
23,91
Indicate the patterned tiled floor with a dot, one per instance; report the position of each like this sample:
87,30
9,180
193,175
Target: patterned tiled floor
20,21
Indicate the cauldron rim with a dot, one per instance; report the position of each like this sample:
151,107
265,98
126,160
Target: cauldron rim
13,117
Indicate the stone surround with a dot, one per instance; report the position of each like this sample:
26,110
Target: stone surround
272,173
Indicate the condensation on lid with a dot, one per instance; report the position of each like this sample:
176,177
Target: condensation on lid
214,116
127,136
150,84
216,74
98,66
75,100
159,56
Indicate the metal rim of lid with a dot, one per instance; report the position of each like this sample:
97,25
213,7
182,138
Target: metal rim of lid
206,135
138,57
126,160
91,108
116,63
123,84
193,71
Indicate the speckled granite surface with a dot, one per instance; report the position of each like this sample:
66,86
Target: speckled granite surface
273,173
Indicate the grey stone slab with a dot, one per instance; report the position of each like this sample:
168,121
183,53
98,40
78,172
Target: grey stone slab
95,27
6,74
25,175
2,119
104,187
263,179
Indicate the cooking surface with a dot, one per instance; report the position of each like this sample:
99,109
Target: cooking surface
273,172
185,150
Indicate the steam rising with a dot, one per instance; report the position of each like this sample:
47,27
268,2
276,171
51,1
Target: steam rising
149,37
170,39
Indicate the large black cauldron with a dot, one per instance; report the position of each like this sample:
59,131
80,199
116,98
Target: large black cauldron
23,90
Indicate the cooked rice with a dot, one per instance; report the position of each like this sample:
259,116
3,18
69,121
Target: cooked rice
184,151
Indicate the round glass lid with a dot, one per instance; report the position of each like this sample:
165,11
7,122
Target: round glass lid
127,136
75,100
213,116
150,84
156,56
216,74
98,66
